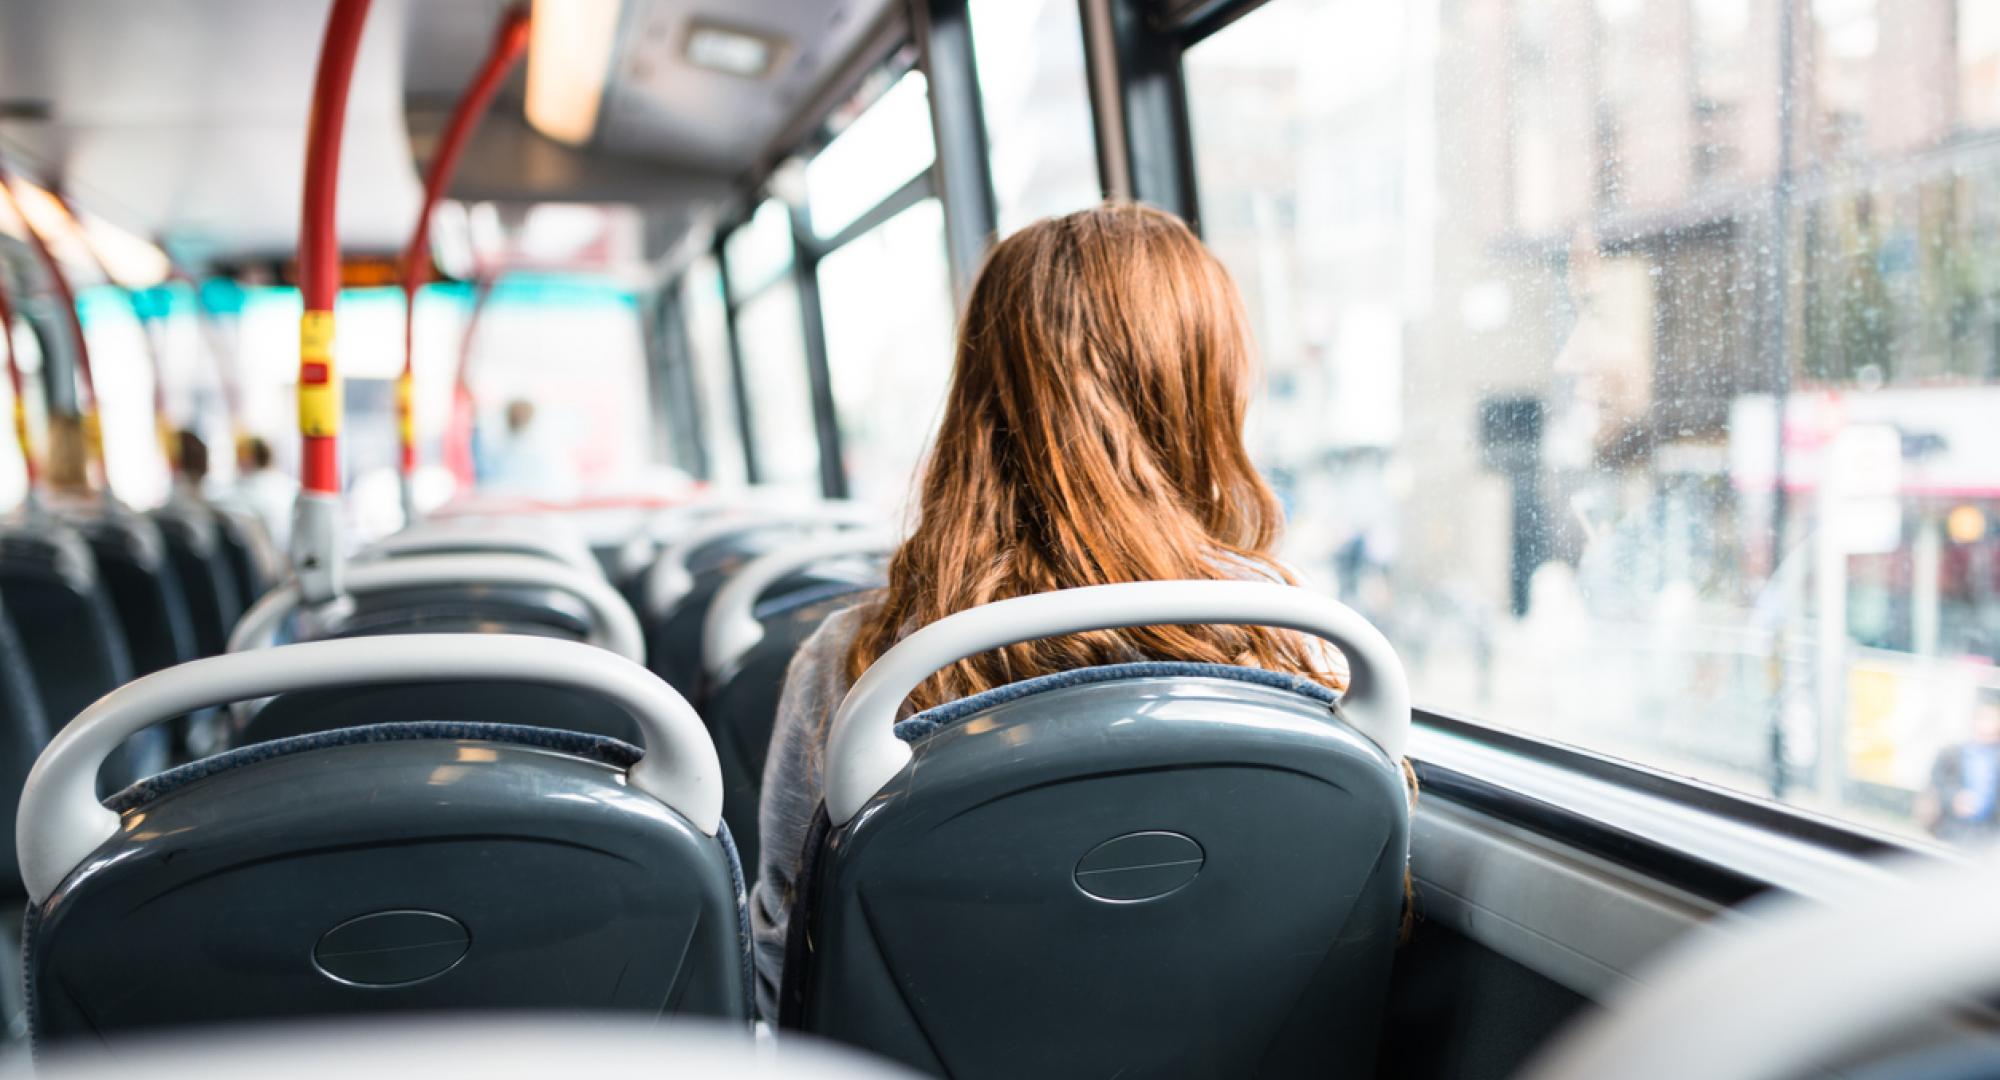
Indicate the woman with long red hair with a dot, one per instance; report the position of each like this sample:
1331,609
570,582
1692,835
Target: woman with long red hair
1093,434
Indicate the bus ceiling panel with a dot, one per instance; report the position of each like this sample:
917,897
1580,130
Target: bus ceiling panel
669,99
183,118
507,161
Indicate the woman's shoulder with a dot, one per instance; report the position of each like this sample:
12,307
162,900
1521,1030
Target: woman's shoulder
837,631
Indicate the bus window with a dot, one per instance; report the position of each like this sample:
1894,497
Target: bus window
760,249
589,425
1637,430
888,313
714,377
590,422
1036,100
770,331
879,150
122,359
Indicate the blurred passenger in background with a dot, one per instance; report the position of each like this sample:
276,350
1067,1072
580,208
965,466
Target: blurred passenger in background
264,490
529,462
190,467
1962,803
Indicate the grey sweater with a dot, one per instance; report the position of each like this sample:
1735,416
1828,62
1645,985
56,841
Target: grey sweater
793,788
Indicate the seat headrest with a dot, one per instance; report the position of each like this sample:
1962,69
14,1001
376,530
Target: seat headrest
930,721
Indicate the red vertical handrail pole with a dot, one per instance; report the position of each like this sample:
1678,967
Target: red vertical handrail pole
461,381
93,433
510,43
319,249
458,452
316,539
19,384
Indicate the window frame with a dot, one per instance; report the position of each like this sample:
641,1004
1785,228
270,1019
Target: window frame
902,55
1795,843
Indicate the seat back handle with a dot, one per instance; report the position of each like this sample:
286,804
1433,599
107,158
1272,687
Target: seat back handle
863,753
613,625
730,629
669,580
61,821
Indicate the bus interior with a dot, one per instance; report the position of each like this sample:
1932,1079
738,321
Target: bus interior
439,426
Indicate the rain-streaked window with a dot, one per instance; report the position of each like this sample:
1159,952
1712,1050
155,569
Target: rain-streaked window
887,299
1639,369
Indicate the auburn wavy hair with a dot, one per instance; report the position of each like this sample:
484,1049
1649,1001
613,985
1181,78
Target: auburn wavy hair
1093,434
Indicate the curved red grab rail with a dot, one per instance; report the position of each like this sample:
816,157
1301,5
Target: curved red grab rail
14,379
510,43
163,427
319,250
86,380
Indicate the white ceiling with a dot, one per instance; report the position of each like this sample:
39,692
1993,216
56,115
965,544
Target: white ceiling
185,119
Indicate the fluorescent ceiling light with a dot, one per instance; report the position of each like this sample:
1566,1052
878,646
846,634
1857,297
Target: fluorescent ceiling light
732,51
570,46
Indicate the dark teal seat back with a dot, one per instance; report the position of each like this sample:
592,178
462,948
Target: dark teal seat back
1150,869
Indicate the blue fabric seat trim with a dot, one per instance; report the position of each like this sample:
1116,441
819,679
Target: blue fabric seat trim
599,748
930,721
811,594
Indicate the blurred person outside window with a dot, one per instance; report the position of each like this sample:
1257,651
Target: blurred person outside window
1962,803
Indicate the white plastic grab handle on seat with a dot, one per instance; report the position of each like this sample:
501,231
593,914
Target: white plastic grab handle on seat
61,822
731,629
457,536
1793,986
614,627
863,752
665,527
670,579
643,547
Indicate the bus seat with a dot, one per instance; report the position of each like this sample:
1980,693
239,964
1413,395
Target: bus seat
76,651
546,538
24,730
405,866
784,596
535,609
135,561
675,618
245,549
1104,870
453,609
480,593
143,588
742,709
195,550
